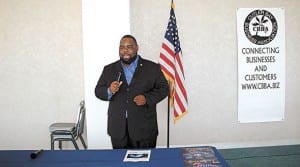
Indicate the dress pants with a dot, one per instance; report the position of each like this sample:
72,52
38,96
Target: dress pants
127,143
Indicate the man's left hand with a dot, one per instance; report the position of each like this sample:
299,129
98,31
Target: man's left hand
140,100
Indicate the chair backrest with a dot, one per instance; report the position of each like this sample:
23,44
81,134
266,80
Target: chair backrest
81,119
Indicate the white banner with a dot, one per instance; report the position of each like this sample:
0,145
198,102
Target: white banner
261,64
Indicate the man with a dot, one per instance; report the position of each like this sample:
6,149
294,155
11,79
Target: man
133,86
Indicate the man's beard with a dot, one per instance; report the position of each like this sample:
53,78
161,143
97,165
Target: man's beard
128,61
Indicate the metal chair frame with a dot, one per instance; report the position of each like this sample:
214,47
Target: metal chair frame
69,131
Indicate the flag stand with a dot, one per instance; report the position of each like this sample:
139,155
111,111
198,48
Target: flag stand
168,122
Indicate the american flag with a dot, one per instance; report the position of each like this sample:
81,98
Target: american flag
170,60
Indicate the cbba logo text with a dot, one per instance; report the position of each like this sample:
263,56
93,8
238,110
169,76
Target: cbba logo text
260,27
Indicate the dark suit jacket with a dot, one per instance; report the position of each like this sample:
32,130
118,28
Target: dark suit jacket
142,120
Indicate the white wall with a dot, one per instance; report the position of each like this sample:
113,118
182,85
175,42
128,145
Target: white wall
41,70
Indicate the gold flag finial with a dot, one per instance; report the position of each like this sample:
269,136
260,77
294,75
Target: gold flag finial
172,5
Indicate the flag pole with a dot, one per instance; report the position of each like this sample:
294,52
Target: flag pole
168,122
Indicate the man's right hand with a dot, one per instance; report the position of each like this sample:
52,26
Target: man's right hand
114,86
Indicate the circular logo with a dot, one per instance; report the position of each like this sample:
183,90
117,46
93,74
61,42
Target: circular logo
260,27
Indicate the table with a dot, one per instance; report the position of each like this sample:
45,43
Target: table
160,157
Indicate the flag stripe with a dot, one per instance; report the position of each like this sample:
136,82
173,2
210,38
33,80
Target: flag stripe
179,79
167,55
168,66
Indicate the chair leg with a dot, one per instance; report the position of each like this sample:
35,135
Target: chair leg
82,141
52,142
75,144
52,145
60,144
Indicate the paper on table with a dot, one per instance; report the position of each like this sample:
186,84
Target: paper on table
137,155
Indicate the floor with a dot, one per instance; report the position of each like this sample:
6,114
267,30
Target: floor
283,156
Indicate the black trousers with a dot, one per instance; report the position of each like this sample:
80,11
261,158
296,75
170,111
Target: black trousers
127,143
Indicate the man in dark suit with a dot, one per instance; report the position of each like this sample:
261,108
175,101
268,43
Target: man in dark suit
133,86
